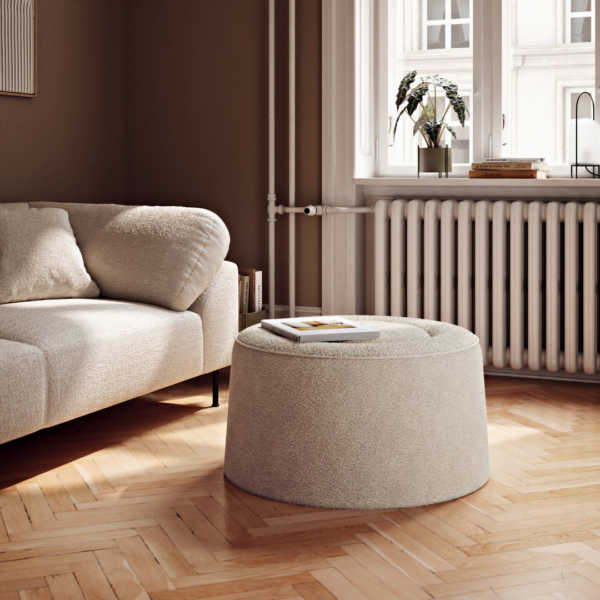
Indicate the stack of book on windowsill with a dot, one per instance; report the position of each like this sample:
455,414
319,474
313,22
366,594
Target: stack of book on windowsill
510,168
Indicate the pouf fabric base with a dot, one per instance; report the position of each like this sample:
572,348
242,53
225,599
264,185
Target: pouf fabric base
359,433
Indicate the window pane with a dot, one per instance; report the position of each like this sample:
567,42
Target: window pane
581,5
436,37
460,146
436,10
581,30
460,9
460,36
583,110
416,44
542,78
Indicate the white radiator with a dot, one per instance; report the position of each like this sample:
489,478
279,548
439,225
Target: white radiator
523,276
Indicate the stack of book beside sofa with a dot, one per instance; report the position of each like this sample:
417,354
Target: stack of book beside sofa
250,297
510,168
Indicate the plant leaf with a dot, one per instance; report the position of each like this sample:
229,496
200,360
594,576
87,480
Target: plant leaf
415,98
422,119
404,88
439,82
449,129
458,105
432,129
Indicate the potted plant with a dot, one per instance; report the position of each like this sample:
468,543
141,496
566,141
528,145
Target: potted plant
433,158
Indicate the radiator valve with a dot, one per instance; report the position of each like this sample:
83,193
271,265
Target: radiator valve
311,210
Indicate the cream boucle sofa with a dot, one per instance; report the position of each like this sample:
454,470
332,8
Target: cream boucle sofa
167,312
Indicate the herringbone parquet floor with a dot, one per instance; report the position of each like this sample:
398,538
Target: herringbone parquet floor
131,503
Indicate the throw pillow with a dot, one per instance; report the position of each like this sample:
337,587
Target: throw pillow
39,257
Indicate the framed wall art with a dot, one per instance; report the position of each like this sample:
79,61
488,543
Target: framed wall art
18,48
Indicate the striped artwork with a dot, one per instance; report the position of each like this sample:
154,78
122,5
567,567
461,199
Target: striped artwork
17,47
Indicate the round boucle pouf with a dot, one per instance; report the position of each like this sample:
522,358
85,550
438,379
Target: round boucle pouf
387,423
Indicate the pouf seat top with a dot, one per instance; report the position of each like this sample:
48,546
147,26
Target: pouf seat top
399,337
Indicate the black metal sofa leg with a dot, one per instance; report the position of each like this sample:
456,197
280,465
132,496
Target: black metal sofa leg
215,377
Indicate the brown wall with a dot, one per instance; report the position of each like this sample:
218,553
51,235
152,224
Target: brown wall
165,102
197,128
68,143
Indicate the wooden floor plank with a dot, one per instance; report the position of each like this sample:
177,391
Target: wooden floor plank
40,593
194,552
338,585
144,565
35,503
120,575
93,581
165,552
64,587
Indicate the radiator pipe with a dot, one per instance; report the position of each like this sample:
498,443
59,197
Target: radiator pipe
292,158
319,210
271,198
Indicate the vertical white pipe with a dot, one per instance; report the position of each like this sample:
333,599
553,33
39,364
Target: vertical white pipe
292,158
271,198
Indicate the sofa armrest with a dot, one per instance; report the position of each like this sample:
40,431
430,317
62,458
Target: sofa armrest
217,307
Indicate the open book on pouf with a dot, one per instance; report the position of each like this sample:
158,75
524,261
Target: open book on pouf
323,329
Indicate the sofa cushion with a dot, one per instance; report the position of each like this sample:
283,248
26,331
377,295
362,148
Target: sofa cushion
161,255
39,257
100,352
22,390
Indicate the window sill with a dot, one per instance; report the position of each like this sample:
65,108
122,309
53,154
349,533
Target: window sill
552,188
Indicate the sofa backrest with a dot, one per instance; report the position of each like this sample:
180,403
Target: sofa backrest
161,255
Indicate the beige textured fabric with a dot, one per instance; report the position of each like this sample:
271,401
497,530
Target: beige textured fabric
39,257
405,426
22,390
418,337
100,352
218,310
14,205
161,255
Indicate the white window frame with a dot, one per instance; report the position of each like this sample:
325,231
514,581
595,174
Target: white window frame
487,37
447,22
573,15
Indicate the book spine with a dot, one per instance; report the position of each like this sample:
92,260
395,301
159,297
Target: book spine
246,293
505,166
252,293
507,174
240,294
258,290
515,160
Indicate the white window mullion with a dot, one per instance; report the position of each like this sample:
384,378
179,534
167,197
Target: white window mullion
597,57
487,79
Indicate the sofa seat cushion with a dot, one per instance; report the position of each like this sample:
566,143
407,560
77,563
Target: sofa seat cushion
100,352
22,390
162,255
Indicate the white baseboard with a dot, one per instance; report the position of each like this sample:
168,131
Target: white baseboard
283,310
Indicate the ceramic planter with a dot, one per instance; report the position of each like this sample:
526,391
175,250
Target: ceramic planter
434,160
